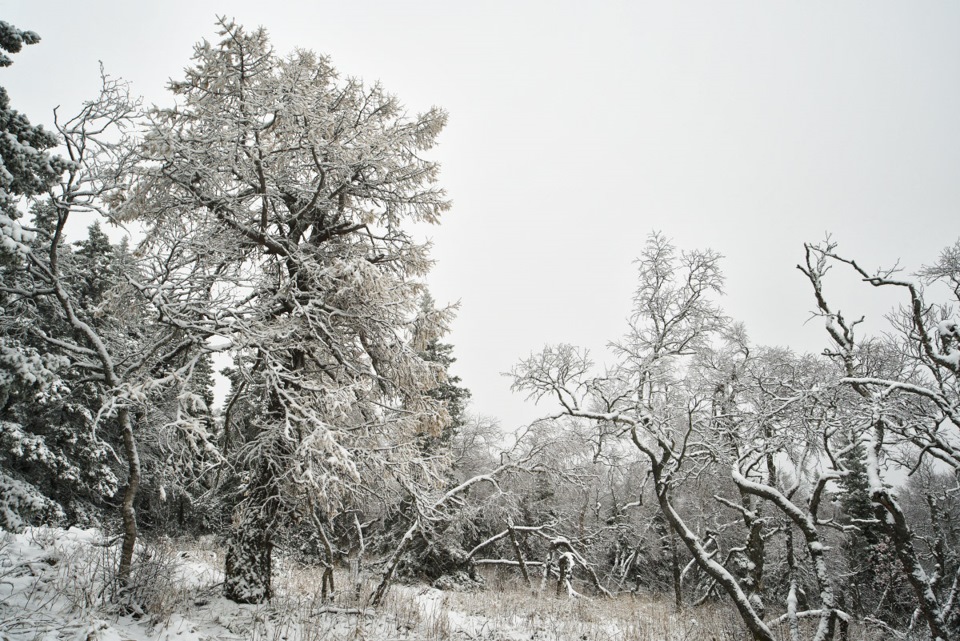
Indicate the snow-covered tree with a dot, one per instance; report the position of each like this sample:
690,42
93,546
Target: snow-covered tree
26,166
99,328
287,193
645,396
908,385
49,438
704,407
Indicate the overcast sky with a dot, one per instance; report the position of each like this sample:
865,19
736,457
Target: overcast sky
577,128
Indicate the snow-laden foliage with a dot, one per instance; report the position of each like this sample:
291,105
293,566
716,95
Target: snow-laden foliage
20,501
24,367
75,307
26,166
275,201
285,192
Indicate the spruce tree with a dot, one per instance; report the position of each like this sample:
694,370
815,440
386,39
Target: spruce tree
48,440
26,167
875,585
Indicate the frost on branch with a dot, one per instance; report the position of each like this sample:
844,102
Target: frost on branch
288,190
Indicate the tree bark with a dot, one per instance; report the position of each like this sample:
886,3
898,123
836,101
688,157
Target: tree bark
326,581
675,563
128,512
249,563
519,553
758,629
889,512
547,568
248,571
792,623
361,545
565,569
381,591
806,522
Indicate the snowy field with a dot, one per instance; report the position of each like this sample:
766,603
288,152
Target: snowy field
55,585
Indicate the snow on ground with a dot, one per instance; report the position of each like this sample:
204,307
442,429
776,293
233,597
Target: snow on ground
55,585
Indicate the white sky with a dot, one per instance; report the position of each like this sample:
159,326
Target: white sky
748,127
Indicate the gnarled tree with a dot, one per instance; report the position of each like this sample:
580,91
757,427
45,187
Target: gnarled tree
908,383
293,188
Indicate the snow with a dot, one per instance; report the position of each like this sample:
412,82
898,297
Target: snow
952,357
50,581
52,586
18,498
13,238
948,329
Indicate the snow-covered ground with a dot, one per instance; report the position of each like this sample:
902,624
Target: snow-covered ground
55,585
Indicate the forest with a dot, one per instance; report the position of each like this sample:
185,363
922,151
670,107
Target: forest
272,213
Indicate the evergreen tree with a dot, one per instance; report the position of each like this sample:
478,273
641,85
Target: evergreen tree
95,261
449,391
48,440
876,586
26,169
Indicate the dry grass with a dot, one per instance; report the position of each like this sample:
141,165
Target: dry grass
545,616
178,588
505,610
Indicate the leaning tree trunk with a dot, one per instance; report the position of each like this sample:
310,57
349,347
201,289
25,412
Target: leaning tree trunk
519,552
677,575
378,595
754,622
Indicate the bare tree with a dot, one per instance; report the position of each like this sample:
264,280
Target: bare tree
646,395
912,400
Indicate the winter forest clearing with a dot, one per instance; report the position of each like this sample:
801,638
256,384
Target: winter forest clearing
695,486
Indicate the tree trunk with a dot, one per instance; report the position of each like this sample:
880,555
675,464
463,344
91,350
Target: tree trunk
755,555
547,567
792,623
755,624
358,582
326,581
248,571
889,512
675,562
381,591
519,553
565,569
249,563
128,512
